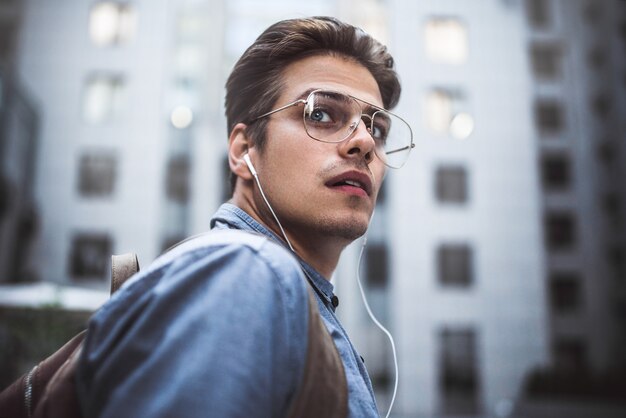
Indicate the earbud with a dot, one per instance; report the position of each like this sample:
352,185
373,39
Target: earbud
246,158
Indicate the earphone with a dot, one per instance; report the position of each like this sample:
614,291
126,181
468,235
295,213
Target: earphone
248,162
246,158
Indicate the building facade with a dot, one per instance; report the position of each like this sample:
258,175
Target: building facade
576,51
121,86
19,136
498,250
461,228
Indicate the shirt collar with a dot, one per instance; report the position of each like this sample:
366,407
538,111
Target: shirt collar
231,216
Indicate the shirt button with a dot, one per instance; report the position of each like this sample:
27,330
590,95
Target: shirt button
335,301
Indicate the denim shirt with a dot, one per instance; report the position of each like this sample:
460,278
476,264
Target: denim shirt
212,329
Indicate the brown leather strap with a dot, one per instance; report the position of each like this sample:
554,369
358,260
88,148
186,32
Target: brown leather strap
59,399
123,266
324,390
13,400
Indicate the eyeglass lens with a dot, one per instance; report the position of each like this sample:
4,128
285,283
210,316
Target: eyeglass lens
332,117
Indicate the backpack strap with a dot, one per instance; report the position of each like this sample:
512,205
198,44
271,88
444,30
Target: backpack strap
323,391
57,392
48,389
123,266
23,396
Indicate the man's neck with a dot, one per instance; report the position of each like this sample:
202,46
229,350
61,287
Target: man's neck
319,251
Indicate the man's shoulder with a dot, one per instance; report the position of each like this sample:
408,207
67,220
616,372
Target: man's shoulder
237,243
203,300
217,271
225,256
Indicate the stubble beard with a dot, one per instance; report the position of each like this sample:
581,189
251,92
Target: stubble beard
348,229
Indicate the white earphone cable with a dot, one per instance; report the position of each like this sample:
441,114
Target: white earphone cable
256,177
379,325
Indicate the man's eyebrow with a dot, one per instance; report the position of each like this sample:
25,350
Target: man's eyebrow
306,93
367,108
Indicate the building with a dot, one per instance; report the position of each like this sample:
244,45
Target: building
497,257
461,228
579,93
123,113
19,135
498,250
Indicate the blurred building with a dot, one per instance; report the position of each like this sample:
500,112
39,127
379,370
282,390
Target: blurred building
497,255
578,98
122,89
459,233
19,128
496,251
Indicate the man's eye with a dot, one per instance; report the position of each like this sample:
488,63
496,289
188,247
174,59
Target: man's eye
318,115
379,132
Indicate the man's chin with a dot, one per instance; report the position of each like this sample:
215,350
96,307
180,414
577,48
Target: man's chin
347,229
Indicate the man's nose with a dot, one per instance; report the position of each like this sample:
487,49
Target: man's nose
359,144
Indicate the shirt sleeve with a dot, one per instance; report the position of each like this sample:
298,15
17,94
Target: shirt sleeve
219,332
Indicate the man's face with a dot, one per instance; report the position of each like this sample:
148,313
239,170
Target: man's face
308,182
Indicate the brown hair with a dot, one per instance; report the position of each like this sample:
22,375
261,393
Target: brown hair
254,85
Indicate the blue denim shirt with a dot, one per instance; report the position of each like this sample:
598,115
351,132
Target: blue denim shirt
212,328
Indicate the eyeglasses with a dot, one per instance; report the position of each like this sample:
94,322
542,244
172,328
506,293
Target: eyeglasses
330,116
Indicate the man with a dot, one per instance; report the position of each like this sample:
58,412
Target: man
221,326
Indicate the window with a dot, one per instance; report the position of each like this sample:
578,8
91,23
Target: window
601,106
178,178
446,41
538,12
593,12
560,230
111,23
612,206
90,255
607,151
549,117
6,196
555,172
104,98
190,60
451,185
382,379
597,57
546,61
377,265
446,113
458,372
621,29
617,261
570,354
565,292
97,171
454,263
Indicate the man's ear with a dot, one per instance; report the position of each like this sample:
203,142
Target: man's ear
239,144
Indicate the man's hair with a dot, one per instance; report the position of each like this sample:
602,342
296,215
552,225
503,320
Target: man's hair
255,83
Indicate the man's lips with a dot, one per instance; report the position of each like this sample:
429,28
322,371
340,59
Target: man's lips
352,179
